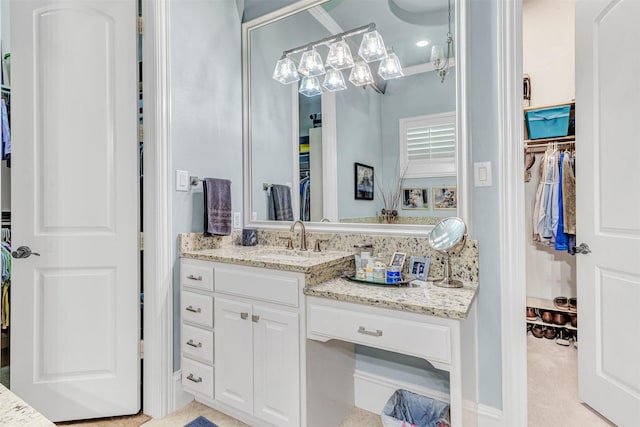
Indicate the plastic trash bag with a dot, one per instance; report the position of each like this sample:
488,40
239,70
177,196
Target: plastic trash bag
405,409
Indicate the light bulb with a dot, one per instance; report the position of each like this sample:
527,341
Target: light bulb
339,56
285,71
390,67
310,86
361,74
311,64
372,47
334,81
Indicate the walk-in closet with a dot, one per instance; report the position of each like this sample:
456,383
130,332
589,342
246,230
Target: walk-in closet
551,153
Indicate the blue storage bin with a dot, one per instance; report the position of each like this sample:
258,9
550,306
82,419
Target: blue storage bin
548,122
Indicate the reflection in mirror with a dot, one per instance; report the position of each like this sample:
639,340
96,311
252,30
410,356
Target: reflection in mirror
404,128
447,237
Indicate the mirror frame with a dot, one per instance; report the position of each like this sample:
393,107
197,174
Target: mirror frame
463,151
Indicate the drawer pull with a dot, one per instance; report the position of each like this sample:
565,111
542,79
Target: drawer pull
363,330
193,310
192,277
190,377
255,318
192,344
244,316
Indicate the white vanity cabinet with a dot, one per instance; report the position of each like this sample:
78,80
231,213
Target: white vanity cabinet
257,352
241,340
196,306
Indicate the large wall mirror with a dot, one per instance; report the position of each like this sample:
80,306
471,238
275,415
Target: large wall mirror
336,159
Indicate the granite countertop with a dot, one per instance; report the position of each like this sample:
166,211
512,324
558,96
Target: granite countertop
420,297
312,264
15,412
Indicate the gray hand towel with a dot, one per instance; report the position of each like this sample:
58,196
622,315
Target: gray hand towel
217,206
281,203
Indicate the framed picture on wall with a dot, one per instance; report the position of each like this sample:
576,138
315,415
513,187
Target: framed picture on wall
415,198
363,179
444,198
419,267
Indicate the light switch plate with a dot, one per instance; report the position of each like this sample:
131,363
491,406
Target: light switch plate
237,220
182,180
482,174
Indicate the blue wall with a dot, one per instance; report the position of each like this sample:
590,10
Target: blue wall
206,112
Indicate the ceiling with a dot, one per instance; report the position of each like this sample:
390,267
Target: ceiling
400,22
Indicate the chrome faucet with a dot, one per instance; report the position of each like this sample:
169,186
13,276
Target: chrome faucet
303,234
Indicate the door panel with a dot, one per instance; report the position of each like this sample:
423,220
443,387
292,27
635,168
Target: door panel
276,366
608,208
234,353
75,308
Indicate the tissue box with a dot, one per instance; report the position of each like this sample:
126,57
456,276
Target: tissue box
548,122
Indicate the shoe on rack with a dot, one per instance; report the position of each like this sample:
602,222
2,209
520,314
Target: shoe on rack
563,337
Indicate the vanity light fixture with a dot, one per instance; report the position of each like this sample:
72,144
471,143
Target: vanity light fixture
372,47
361,74
390,67
311,64
285,71
310,86
339,57
334,80
438,58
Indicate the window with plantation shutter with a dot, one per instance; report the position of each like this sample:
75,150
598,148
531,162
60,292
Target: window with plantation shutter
428,145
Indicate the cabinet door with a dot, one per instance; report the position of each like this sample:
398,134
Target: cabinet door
276,366
234,354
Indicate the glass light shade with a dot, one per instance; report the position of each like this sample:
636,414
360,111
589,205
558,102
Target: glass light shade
390,67
311,64
361,74
339,56
437,55
310,86
334,81
285,71
372,47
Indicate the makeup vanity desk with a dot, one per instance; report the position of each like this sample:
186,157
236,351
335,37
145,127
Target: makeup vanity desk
428,322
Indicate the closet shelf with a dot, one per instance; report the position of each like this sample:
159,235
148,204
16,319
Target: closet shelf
546,304
552,325
533,142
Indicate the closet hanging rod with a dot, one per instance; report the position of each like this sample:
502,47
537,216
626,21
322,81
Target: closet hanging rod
543,147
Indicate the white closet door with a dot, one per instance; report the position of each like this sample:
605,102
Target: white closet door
75,308
608,206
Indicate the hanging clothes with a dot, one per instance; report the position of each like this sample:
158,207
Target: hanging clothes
545,218
5,254
6,133
305,199
561,237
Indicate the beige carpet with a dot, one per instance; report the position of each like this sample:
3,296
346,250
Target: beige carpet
553,387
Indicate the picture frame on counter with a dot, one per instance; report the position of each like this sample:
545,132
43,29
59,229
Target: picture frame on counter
445,198
397,259
415,198
419,267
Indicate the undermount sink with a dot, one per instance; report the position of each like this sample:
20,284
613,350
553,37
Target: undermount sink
287,254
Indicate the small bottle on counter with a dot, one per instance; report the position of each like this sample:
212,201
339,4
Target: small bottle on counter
379,274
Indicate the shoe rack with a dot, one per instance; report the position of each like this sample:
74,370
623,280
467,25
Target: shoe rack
543,305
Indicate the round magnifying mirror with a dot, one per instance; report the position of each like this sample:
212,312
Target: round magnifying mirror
447,237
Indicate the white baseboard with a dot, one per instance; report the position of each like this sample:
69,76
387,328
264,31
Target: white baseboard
180,397
372,392
488,416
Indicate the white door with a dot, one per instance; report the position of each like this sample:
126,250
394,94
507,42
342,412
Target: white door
276,366
233,354
608,206
75,308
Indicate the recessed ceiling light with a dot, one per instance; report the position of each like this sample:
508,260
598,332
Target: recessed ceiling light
422,43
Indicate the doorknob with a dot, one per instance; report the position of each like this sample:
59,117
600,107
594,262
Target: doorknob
582,248
23,252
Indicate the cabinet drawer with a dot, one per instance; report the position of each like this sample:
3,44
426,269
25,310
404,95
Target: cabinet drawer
197,377
196,276
197,343
416,338
263,285
197,308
